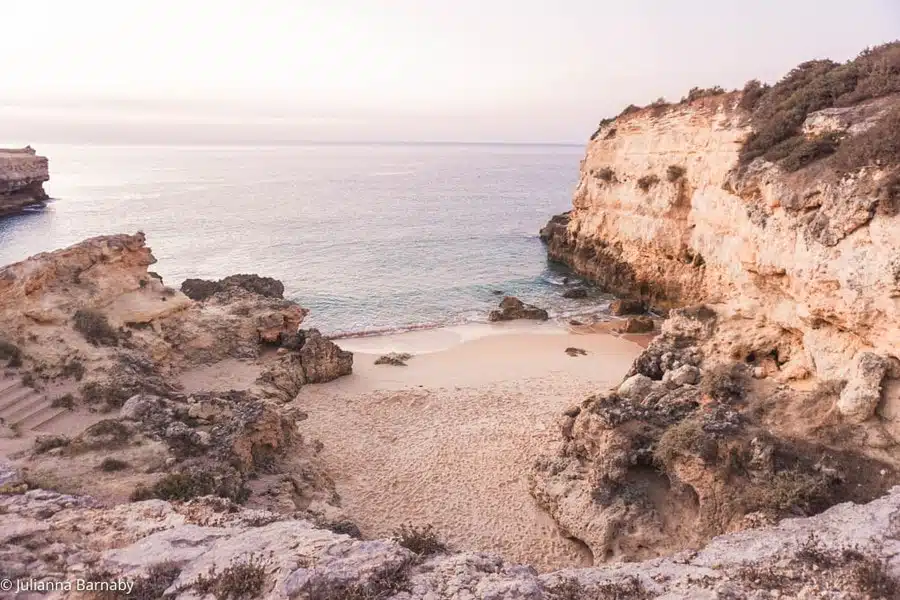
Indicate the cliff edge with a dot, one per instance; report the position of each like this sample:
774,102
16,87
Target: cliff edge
764,223
22,177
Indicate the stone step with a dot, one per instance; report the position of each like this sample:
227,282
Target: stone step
29,405
55,419
40,417
15,401
9,384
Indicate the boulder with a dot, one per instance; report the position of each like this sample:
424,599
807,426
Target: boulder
638,325
621,308
201,289
861,395
512,308
683,375
635,387
575,293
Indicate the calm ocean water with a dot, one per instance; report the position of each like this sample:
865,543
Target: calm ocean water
369,237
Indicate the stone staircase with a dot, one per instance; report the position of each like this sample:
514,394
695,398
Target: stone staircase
24,409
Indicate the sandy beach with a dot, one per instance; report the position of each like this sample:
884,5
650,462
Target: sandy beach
449,439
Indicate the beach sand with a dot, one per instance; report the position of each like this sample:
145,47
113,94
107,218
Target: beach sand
449,439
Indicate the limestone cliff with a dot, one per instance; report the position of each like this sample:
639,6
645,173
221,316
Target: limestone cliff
22,175
765,224
668,209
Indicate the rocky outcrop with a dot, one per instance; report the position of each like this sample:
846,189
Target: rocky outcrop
211,546
91,319
511,308
690,446
201,289
665,212
764,224
22,177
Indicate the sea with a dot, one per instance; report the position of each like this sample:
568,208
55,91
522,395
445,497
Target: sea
372,238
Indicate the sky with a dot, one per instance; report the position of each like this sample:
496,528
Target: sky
392,70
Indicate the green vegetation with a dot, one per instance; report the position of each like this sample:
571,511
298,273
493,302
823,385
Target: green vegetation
778,112
95,328
674,173
188,485
10,353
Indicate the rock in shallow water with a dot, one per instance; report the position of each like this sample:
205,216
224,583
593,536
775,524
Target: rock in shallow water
512,308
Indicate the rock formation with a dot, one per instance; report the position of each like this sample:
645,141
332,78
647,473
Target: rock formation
90,319
511,308
212,546
22,177
770,215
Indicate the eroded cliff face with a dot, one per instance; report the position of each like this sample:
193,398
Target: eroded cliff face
128,359
22,175
663,212
776,377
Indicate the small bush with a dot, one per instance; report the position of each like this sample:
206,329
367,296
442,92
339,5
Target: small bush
111,465
686,438
95,328
629,588
752,93
878,145
422,541
10,353
95,392
28,380
631,108
240,581
647,181
695,93
65,401
789,491
386,583
74,369
796,153
45,443
725,383
674,173
188,485
151,586
605,174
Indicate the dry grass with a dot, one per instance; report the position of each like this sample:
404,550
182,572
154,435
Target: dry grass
647,181
10,353
241,580
422,541
778,112
95,328
674,173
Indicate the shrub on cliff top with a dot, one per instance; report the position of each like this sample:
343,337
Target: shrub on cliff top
778,112
187,485
10,353
674,173
695,93
243,579
647,181
95,328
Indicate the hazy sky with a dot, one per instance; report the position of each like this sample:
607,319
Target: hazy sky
97,70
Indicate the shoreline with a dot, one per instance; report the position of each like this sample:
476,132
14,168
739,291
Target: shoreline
448,440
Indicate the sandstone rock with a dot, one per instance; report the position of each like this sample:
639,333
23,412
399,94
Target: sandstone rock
861,395
512,308
22,175
202,289
205,538
622,308
322,359
636,387
576,292
683,375
638,325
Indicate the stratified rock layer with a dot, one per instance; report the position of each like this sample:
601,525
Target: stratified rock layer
22,175
209,544
664,213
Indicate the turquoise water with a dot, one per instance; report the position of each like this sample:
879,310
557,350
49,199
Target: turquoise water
369,237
